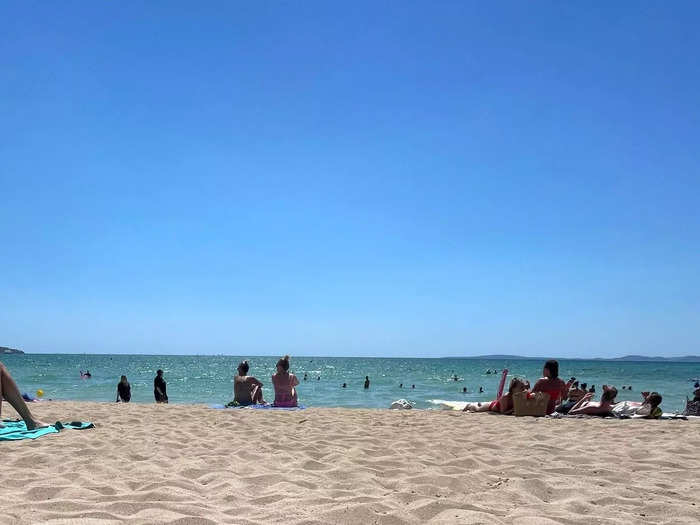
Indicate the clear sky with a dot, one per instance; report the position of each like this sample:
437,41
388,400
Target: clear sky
350,178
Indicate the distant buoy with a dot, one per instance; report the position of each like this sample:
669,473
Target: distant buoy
40,393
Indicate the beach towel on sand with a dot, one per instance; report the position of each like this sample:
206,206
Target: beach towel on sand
16,430
257,407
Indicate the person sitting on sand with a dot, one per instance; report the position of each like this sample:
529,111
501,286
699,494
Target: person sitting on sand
10,392
247,390
123,390
159,388
552,385
284,383
692,407
504,404
575,395
594,408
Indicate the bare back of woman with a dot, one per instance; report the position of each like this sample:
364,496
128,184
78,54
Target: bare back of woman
284,383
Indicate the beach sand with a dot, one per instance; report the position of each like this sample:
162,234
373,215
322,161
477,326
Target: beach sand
193,465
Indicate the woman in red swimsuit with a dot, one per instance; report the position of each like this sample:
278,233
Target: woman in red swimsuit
552,385
504,405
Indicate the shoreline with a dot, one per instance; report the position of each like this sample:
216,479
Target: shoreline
148,463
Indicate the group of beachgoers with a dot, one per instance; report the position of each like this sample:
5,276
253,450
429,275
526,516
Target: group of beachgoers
247,389
160,389
571,397
564,397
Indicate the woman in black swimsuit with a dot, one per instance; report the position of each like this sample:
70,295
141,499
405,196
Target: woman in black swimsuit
123,391
159,388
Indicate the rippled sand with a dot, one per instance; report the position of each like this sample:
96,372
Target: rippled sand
189,465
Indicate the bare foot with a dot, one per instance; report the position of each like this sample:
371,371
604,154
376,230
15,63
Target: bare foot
33,424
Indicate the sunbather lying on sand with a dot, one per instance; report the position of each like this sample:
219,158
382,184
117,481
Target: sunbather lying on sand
594,408
649,408
504,405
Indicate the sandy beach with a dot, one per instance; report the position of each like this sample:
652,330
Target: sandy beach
192,465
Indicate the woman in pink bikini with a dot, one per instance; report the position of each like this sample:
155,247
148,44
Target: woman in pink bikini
284,383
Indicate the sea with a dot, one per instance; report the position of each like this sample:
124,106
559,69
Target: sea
426,382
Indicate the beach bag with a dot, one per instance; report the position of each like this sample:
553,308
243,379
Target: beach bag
530,403
692,408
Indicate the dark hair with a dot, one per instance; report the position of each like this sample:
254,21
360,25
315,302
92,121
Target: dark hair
553,367
124,378
159,372
284,363
654,399
584,386
243,367
609,395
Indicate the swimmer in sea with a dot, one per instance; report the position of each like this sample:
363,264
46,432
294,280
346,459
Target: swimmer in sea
366,382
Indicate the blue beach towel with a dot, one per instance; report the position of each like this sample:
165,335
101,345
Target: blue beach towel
16,430
257,407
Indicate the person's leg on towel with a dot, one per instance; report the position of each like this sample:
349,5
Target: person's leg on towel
9,390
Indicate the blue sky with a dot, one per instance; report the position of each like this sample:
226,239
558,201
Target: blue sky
357,178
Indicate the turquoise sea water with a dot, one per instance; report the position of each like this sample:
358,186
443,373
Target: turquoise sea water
208,379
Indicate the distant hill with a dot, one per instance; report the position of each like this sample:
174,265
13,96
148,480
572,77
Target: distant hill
679,359
5,350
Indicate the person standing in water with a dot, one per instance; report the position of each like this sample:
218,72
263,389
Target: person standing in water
159,388
366,382
123,390
247,390
284,383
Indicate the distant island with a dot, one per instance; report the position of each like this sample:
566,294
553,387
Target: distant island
679,359
5,350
